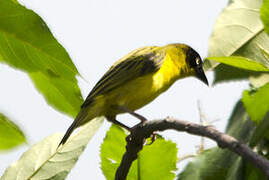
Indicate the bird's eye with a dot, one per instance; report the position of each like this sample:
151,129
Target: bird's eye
198,61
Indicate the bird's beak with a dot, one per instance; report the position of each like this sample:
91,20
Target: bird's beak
200,74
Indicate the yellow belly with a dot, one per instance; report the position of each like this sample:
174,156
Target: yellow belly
136,93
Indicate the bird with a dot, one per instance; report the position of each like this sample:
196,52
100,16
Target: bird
137,79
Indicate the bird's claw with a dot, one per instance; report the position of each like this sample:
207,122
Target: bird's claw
153,138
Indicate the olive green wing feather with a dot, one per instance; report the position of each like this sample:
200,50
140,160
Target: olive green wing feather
138,63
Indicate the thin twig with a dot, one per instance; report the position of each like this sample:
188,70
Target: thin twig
139,133
202,122
186,156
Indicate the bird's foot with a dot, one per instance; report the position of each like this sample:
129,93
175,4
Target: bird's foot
153,137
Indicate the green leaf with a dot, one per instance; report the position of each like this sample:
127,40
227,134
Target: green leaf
213,164
252,173
256,103
224,73
10,134
238,31
259,81
45,161
222,164
256,49
58,92
265,15
27,44
238,24
147,166
112,149
152,166
239,124
260,132
240,62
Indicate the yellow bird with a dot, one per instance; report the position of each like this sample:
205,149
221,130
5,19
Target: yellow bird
137,79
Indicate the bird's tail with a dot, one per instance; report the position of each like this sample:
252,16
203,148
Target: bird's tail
79,120
68,132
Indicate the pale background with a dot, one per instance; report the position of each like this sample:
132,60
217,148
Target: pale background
98,32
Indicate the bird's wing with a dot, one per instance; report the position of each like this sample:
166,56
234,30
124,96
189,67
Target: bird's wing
137,63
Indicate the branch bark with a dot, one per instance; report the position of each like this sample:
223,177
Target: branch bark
136,140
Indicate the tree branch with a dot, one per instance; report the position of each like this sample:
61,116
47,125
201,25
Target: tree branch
136,140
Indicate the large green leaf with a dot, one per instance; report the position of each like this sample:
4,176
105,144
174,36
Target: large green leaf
256,103
149,165
152,167
222,164
10,134
59,92
238,23
252,173
261,131
224,73
112,149
265,15
27,44
213,164
240,62
45,161
239,32
259,81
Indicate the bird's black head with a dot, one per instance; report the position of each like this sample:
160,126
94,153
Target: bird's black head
194,60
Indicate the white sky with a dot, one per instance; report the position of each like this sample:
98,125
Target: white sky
98,32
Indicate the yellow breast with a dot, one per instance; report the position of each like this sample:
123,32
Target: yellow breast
166,76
